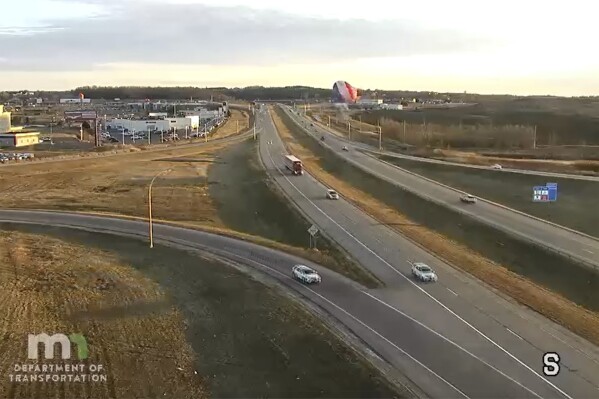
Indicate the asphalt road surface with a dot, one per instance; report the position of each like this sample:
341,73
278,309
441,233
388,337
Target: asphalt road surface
566,241
476,344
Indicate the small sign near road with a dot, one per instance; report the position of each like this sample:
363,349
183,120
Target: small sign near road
313,230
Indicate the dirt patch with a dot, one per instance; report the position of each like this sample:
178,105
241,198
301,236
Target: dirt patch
431,225
165,315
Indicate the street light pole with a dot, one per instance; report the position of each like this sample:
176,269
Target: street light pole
151,227
349,131
254,131
123,130
380,138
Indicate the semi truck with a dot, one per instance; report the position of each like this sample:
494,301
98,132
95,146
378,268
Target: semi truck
294,165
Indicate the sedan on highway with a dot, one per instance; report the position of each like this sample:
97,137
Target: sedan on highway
332,194
469,199
497,166
305,274
345,148
423,272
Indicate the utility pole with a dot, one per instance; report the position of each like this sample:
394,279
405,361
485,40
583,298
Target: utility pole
149,137
123,130
534,139
380,138
329,124
151,227
404,132
360,116
349,131
236,127
254,131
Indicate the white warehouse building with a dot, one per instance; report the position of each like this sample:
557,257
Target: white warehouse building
143,125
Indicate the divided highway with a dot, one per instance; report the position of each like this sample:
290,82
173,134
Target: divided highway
566,241
469,335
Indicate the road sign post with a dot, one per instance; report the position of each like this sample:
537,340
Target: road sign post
313,230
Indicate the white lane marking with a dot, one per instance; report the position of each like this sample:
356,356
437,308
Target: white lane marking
416,285
450,341
357,320
586,250
450,290
519,337
370,329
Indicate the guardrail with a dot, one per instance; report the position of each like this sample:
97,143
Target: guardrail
434,200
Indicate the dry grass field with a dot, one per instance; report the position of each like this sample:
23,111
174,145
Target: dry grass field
130,325
554,306
163,323
237,123
202,190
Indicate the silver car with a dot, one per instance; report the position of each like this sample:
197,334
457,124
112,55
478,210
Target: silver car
305,274
423,272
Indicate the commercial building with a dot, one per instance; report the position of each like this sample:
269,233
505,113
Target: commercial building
19,139
75,101
4,120
369,101
391,106
144,125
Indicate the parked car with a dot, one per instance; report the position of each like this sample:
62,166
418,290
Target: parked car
305,274
345,148
423,272
332,194
46,139
469,199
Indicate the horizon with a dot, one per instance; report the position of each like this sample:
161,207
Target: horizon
55,45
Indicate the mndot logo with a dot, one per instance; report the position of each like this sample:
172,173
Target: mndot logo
49,342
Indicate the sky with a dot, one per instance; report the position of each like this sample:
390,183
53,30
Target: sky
524,47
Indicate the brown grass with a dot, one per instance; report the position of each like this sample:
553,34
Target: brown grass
44,288
553,306
119,186
239,119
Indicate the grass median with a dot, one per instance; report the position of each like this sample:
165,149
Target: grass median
164,323
525,271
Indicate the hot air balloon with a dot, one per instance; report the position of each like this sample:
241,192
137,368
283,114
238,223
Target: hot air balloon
343,92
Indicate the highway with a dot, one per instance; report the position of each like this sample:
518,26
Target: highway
503,170
501,343
428,358
568,242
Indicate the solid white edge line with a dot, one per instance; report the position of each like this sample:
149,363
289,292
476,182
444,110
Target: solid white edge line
364,325
517,336
420,288
451,342
349,314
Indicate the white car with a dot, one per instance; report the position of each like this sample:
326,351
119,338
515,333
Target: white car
332,194
497,166
469,199
305,274
423,272
345,148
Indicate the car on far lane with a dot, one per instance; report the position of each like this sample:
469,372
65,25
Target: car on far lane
497,166
345,148
305,274
469,199
332,194
423,272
